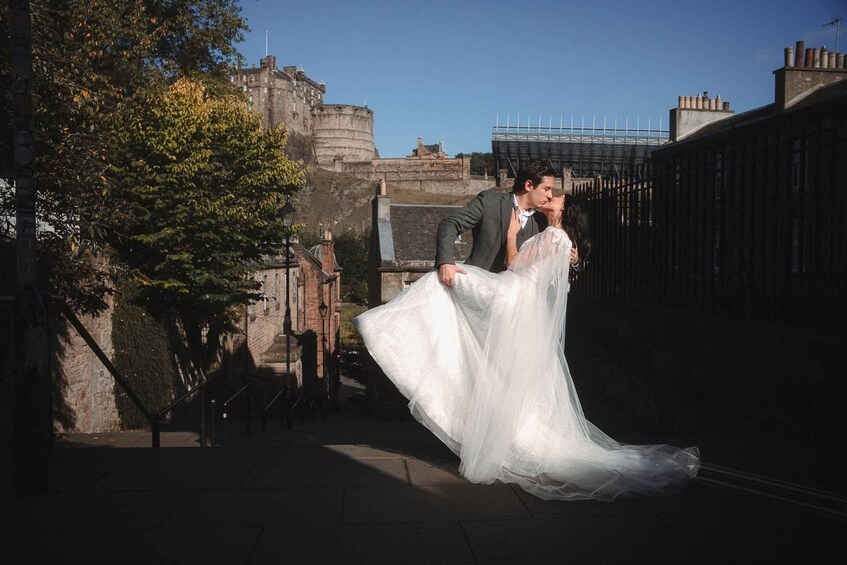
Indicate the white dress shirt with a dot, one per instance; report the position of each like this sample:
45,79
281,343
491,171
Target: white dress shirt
524,216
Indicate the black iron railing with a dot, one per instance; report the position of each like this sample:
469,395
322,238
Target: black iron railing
748,225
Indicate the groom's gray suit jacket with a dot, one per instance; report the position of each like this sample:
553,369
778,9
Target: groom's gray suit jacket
488,216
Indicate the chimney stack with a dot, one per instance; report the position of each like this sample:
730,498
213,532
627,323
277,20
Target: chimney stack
812,69
327,252
694,112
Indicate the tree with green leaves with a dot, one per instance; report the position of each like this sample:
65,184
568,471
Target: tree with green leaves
207,182
89,58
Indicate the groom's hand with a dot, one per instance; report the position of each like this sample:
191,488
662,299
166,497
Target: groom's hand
447,273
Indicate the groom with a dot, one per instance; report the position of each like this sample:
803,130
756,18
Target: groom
488,216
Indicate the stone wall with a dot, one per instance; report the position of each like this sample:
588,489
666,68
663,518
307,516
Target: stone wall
84,393
342,133
746,393
440,176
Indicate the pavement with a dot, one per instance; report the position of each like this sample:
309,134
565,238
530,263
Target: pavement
353,489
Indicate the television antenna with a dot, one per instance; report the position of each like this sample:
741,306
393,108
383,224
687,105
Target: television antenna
837,23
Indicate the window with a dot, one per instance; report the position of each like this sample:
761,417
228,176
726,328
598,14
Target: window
797,166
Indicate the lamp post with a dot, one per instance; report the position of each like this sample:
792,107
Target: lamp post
287,214
322,309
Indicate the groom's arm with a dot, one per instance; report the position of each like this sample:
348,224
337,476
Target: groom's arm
463,219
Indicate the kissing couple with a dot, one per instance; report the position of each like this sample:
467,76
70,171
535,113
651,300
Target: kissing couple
478,351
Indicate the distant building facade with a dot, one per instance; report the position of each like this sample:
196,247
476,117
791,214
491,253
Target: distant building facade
280,97
341,136
402,245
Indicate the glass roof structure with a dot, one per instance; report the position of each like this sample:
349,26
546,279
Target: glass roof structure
588,151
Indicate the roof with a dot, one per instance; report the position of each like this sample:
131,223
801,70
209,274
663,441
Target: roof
819,96
317,251
587,151
310,258
414,228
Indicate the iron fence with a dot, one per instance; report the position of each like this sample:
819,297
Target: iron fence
749,224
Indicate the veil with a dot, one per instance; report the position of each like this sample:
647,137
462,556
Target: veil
524,341
524,421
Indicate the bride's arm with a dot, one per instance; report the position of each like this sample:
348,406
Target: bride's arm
512,238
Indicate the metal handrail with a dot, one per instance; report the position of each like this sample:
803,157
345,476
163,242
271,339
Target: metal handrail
156,425
252,395
92,344
153,419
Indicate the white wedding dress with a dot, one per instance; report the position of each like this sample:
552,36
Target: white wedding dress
483,367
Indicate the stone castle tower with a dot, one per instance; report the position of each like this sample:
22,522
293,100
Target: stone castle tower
287,97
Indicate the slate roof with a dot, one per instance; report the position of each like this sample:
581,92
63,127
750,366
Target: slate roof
414,227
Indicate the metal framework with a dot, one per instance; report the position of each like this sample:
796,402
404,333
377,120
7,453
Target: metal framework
587,151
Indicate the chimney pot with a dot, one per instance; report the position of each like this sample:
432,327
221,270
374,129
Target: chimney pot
810,55
824,58
726,106
816,58
799,51
789,57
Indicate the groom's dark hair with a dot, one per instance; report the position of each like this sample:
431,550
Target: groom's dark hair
533,170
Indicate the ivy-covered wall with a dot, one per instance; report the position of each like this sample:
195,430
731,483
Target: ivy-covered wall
142,357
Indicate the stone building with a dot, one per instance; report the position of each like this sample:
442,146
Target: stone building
86,392
402,247
315,279
341,135
428,151
280,97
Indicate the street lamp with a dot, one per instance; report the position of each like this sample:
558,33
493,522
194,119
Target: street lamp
322,309
287,214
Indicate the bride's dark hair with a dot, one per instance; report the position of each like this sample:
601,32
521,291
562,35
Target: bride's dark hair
575,224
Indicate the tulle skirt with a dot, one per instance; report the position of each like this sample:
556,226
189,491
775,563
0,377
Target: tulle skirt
482,371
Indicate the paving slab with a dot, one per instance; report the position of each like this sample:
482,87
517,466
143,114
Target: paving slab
431,503
338,471
93,511
441,543
610,540
761,532
177,469
256,508
357,490
435,472
144,547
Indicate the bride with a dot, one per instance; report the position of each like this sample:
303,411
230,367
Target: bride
483,367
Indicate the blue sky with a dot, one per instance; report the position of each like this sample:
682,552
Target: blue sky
445,70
